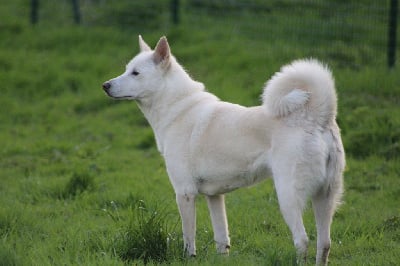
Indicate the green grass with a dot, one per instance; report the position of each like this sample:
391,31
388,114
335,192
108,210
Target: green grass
75,166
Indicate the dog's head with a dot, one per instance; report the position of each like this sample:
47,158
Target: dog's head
143,74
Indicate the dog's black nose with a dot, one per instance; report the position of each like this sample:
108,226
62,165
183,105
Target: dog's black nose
106,86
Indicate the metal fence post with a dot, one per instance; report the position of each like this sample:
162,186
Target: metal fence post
76,11
34,11
392,33
175,11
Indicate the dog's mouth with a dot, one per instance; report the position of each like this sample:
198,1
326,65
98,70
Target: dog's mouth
124,98
108,93
120,97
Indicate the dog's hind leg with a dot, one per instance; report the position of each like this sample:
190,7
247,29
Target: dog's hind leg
291,203
187,210
328,197
324,206
216,205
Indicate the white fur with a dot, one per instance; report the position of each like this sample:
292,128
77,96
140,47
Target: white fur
291,89
212,147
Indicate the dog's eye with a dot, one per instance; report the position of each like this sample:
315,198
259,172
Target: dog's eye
135,73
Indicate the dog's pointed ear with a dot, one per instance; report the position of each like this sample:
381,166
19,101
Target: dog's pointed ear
162,52
143,45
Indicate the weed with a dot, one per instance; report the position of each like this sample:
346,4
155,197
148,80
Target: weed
78,183
148,235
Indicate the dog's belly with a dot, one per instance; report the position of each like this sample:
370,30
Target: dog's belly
221,182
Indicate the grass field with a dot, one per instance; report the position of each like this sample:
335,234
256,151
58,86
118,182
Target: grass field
76,167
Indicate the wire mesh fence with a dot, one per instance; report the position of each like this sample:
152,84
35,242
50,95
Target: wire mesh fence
366,30
369,28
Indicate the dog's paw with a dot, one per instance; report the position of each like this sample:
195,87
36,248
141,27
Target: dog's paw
223,248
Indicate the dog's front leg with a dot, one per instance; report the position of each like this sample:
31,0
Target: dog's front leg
216,205
187,209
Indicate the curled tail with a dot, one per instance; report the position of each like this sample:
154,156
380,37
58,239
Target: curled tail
305,86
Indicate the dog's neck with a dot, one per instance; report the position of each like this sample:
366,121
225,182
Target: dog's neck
172,100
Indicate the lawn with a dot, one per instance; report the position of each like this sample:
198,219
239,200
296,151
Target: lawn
76,168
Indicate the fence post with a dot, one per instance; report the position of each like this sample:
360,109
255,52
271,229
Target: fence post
76,11
392,33
34,11
175,11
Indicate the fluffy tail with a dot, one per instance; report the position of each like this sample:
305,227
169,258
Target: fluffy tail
304,86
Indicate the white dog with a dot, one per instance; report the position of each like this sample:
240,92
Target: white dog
212,147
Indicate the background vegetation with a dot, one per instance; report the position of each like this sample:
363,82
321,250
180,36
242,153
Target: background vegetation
76,168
